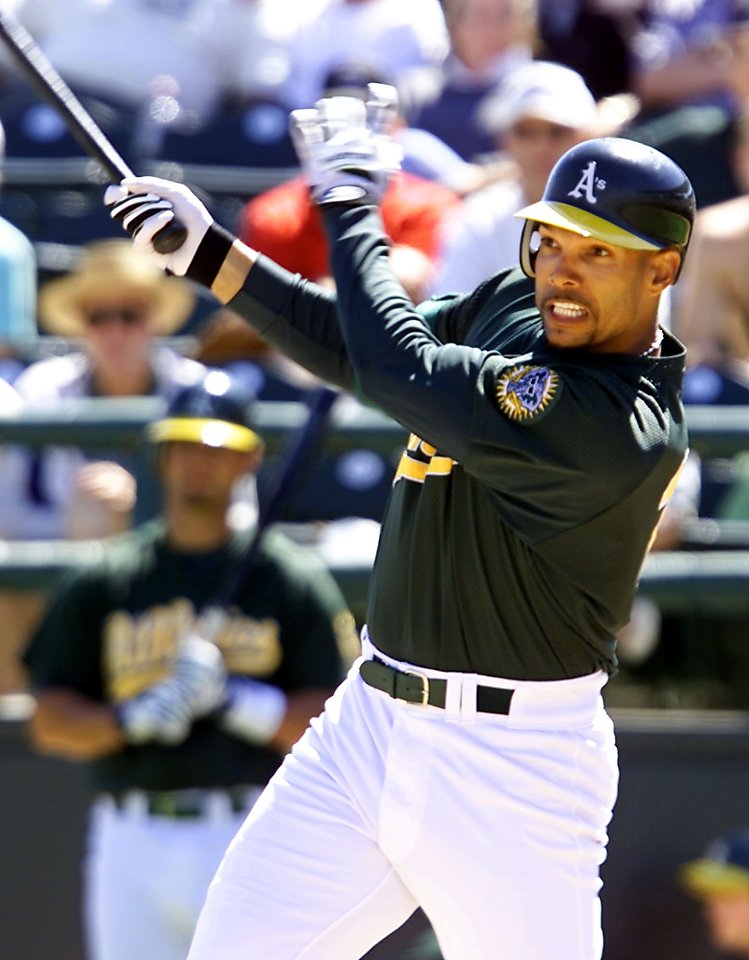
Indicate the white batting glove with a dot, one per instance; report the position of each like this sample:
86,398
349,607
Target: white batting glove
162,714
344,149
200,672
165,712
145,205
254,710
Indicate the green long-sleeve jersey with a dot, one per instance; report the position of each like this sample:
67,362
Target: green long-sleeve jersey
113,629
534,478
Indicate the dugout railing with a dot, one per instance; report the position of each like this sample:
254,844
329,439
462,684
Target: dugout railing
709,574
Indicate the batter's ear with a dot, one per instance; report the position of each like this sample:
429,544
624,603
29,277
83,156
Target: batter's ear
665,268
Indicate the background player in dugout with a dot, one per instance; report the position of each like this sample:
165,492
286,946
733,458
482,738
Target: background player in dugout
181,733
467,764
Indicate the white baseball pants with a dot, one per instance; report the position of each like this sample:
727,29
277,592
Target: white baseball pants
146,878
494,825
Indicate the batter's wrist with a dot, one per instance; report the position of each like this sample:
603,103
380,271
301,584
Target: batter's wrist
210,255
221,263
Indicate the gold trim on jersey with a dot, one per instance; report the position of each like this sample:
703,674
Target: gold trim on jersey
420,460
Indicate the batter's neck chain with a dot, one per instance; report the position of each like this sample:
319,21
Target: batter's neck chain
655,345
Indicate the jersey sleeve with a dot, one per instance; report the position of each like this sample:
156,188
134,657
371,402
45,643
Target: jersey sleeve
401,363
299,318
65,649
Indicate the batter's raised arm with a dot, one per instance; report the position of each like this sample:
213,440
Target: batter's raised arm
297,316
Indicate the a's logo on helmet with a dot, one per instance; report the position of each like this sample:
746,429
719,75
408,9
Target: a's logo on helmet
525,392
588,184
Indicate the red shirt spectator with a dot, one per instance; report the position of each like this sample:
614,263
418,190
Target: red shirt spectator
286,226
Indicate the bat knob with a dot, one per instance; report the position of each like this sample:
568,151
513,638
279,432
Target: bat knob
170,238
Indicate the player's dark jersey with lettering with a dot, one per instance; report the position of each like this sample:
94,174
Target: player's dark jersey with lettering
112,630
534,478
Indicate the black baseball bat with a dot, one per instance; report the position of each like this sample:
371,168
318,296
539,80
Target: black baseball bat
287,478
44,79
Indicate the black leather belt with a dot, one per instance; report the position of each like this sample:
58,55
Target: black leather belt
193,802
416,688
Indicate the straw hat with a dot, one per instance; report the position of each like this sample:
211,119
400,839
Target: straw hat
108,269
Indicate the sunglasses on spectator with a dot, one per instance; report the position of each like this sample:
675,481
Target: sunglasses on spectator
130,315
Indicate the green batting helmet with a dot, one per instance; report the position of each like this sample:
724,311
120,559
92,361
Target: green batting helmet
617,190
213,412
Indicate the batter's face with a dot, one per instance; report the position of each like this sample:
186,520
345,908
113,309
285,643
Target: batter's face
599,297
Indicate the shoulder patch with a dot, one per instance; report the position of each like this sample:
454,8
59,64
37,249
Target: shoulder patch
525,392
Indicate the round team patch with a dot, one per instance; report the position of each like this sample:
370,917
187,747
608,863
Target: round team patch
525,392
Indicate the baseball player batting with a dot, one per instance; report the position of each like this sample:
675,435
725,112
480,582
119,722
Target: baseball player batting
467,764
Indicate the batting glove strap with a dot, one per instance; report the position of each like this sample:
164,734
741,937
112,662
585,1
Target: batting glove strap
210,255
254,710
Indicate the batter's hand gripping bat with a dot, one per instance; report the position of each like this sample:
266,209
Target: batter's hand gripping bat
44,79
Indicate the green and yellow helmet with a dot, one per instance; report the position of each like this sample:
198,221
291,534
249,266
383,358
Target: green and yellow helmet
723,869
213,412
617,190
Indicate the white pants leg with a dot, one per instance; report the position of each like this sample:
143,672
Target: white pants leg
495,825
146,880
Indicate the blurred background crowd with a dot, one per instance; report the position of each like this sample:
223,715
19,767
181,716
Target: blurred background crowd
491,92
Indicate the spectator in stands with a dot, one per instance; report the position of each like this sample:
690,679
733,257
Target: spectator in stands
489,39
181,715
286,224
394,37
690,73
593,37
711,301
116,304
18,331
11,676
424,154
43,20
542,111
131,53
690,53
720,881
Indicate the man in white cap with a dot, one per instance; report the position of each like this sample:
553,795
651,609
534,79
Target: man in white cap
539,114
